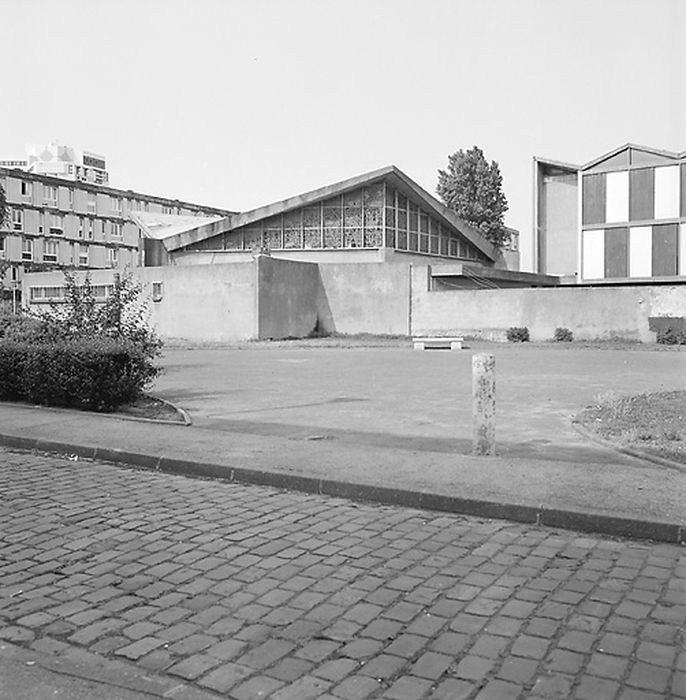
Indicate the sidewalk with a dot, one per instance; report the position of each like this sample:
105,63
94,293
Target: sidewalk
594,489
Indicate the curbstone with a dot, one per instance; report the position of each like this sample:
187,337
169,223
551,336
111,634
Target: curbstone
550,517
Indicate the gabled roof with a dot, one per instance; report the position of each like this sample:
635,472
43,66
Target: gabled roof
671,155
162,226
390,173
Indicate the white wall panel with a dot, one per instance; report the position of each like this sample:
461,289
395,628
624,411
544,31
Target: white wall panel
641,251
617,196
594,254
667,192
682,249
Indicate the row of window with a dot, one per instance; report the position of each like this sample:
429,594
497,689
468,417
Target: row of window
48,196
55,225
634,252
642,194
56,293
78,255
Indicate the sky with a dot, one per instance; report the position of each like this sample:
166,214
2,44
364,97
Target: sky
239,103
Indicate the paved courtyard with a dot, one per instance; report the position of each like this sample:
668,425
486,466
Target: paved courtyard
253,592
419,400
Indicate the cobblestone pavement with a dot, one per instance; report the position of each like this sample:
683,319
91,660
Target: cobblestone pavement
254,592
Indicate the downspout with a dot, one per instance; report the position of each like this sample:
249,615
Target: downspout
409,303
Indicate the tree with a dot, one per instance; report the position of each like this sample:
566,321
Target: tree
473,190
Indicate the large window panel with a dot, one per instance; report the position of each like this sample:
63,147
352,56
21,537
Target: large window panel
617,196
641,251
642,194
593,254
593,199
616,252
667,192
664,250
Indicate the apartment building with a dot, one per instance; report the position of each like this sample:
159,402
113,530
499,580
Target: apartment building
619,219
57,222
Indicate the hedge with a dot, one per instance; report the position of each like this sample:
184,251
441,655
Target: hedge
94,374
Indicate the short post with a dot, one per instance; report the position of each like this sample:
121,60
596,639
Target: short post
483,404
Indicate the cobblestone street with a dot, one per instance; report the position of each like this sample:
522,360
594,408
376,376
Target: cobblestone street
253,592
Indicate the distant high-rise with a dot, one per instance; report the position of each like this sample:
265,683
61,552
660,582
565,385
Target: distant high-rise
61,161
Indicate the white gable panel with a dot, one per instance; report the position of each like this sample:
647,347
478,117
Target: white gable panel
667,192
617,196
594,255
641,251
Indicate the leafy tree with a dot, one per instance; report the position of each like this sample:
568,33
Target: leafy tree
473,189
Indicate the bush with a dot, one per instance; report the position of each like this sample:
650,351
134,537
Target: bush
671,336
563,335
122,315
80,353
518,334
20,328
97,374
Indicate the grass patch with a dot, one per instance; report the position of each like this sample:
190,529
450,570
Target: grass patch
654,423
146,406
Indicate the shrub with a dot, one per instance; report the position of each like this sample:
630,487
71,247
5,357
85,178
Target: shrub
97,374
20,328
80,353
563,335
518,334
122,315
671,336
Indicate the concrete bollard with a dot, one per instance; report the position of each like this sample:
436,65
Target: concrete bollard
483,404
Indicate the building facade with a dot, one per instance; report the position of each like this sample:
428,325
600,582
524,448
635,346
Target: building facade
55,222
621,218
365,218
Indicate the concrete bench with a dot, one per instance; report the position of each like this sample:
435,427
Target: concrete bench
438,343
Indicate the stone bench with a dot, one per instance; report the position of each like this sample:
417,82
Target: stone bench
438,343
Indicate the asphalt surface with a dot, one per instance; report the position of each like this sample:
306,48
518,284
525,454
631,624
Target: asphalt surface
130,584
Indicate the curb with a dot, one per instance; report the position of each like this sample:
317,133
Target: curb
187,420
629,451
583,521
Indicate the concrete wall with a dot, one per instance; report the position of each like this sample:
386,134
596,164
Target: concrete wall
220,302
558,222
365,298
590,313
287,298
208,302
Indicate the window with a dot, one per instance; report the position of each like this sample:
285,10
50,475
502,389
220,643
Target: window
91,203
90,229
113,257
41,222
70,197
50,195
116,230
26,190
56,224
80,227
17,220
116,205
50,251
2,246
157,291
27,249
83,256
